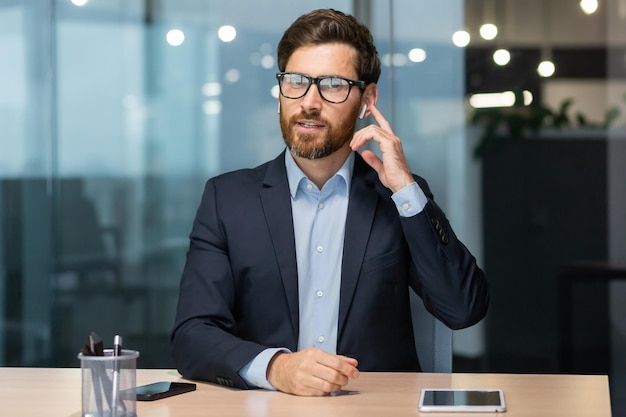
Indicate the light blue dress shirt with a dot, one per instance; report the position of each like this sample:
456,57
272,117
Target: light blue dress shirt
319,218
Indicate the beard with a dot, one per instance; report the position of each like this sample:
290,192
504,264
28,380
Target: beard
315,146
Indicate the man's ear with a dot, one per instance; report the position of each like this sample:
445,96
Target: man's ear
369,98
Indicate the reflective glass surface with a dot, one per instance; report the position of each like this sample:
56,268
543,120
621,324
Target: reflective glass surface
113,113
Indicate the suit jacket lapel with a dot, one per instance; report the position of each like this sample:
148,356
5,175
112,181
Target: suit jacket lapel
276,202
361,210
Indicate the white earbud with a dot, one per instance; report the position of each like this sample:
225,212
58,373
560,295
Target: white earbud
363,110
278,107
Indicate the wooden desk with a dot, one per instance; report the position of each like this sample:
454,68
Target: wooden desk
56,392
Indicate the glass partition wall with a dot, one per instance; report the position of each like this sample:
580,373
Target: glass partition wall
113,113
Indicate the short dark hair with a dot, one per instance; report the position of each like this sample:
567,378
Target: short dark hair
332,26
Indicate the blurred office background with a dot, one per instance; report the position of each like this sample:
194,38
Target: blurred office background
113,113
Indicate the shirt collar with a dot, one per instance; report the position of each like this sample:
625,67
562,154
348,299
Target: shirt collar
295,174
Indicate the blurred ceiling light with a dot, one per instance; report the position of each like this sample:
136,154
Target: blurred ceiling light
175,37
528,97
488,31
267,62
212,107
227,33
546,68
417,55
212,89
232,75
501,57
461,38
395,60
81,3
487,100
589,6
398,60
274,91
503,99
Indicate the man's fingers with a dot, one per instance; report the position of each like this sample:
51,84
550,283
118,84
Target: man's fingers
330,380
350,360
372,160
366,134
380,119
339,369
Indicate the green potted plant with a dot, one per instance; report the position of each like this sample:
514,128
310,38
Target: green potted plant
506,124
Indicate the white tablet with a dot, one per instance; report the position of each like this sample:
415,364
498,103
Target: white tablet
463,400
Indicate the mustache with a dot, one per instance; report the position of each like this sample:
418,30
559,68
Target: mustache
315,116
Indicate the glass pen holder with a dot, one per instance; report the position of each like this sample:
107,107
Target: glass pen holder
108,384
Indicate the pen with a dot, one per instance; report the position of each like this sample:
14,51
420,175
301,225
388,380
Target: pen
117,351
117,345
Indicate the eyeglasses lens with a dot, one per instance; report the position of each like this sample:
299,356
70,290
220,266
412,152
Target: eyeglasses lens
333,89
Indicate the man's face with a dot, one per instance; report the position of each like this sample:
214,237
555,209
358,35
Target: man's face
312,127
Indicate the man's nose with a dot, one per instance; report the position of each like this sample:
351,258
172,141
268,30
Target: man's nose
312,98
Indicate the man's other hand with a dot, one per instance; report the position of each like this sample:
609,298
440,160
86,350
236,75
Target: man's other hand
311,372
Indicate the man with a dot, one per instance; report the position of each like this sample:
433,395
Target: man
299,271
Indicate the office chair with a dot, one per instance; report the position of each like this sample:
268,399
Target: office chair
433,340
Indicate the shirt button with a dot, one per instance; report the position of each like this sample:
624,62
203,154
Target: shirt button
319,294
320,206
405,206
320,249
320,339
309,186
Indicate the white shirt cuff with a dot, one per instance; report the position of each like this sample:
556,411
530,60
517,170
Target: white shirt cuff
255,371
410,200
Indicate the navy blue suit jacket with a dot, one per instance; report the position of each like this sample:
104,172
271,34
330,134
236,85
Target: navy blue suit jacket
239,288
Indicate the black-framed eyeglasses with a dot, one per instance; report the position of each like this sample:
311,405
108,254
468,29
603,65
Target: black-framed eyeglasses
332,89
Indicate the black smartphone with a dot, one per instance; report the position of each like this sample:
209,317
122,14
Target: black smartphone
160,390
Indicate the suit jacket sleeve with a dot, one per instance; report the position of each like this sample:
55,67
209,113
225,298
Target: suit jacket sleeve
205,343
453,288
